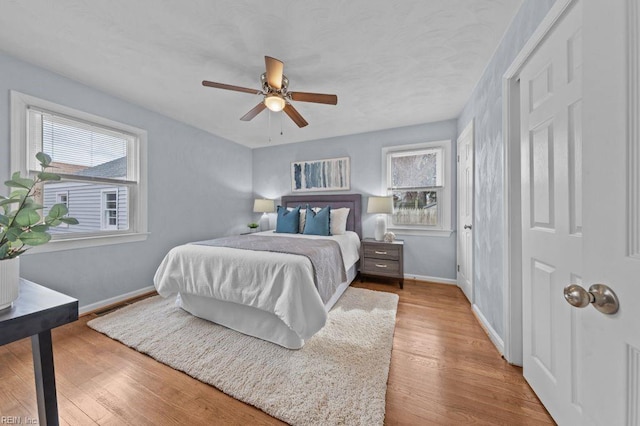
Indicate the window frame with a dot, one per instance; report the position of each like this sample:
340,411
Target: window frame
444,191
20,161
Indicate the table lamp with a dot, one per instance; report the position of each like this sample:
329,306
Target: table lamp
264,206
381,206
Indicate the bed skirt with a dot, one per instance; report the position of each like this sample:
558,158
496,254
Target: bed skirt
251,321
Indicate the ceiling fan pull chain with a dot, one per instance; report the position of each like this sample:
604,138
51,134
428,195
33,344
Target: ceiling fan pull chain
281,125
269,126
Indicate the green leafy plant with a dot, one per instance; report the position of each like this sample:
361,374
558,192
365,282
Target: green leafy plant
253,225
23,226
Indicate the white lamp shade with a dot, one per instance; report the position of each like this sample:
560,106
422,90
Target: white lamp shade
380,205
261,205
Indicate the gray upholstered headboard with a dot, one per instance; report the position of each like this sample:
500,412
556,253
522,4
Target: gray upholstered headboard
352,201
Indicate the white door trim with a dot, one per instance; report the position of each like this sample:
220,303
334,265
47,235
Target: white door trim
512,253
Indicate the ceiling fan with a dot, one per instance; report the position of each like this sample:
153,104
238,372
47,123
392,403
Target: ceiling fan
277,97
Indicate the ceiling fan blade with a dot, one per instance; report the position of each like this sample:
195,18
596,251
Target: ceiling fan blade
275,68
254,111
230,87
295,115
317,98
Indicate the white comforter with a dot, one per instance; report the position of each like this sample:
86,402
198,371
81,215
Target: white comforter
279,283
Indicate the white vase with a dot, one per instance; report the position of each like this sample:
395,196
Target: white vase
9,281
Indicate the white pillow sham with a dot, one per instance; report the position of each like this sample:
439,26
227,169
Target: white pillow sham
338,220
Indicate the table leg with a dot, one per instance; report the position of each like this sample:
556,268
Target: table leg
42,350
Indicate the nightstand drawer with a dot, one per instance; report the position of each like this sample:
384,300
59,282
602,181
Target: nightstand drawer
381,251
381,267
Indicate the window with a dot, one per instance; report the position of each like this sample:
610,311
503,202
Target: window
63,198
109,210
416,177
102,165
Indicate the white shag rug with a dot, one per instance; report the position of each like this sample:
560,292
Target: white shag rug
338,377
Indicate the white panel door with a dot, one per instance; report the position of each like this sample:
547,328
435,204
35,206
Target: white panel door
550,123
609,388
465,212
580,120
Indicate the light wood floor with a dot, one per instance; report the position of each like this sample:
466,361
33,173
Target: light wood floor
444,370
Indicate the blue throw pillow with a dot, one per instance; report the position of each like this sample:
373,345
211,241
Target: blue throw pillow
317,223
288,220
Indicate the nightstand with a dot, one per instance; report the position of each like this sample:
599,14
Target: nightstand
381,259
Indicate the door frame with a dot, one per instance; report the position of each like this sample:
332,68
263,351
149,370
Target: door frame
512,231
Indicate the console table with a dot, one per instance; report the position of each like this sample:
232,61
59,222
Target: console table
35,312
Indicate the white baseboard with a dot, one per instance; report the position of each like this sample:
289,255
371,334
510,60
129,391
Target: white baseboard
113,300
430,279
495,338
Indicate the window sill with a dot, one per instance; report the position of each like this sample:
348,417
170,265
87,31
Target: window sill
86,242
443,233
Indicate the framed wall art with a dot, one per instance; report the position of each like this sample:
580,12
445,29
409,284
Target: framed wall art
331,174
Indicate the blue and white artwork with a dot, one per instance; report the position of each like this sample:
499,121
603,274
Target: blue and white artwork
320,175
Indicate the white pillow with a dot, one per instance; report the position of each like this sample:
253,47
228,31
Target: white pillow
338,220
303,218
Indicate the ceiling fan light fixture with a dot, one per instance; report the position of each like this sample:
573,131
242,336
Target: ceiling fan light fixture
275,93
275,103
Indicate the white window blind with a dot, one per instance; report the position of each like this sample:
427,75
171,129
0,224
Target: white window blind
417,169
78,148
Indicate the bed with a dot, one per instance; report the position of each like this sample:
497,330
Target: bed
269,295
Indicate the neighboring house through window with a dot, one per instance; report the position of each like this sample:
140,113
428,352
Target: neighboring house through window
102,165
417,178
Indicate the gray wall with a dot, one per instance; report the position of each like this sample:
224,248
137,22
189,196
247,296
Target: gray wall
485,108
424,256
199,187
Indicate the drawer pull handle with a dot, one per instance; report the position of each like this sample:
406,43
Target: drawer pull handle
381,252
381,266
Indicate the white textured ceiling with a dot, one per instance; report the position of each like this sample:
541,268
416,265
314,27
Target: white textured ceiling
391,63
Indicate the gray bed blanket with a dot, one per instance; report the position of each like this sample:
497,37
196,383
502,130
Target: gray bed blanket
325,256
